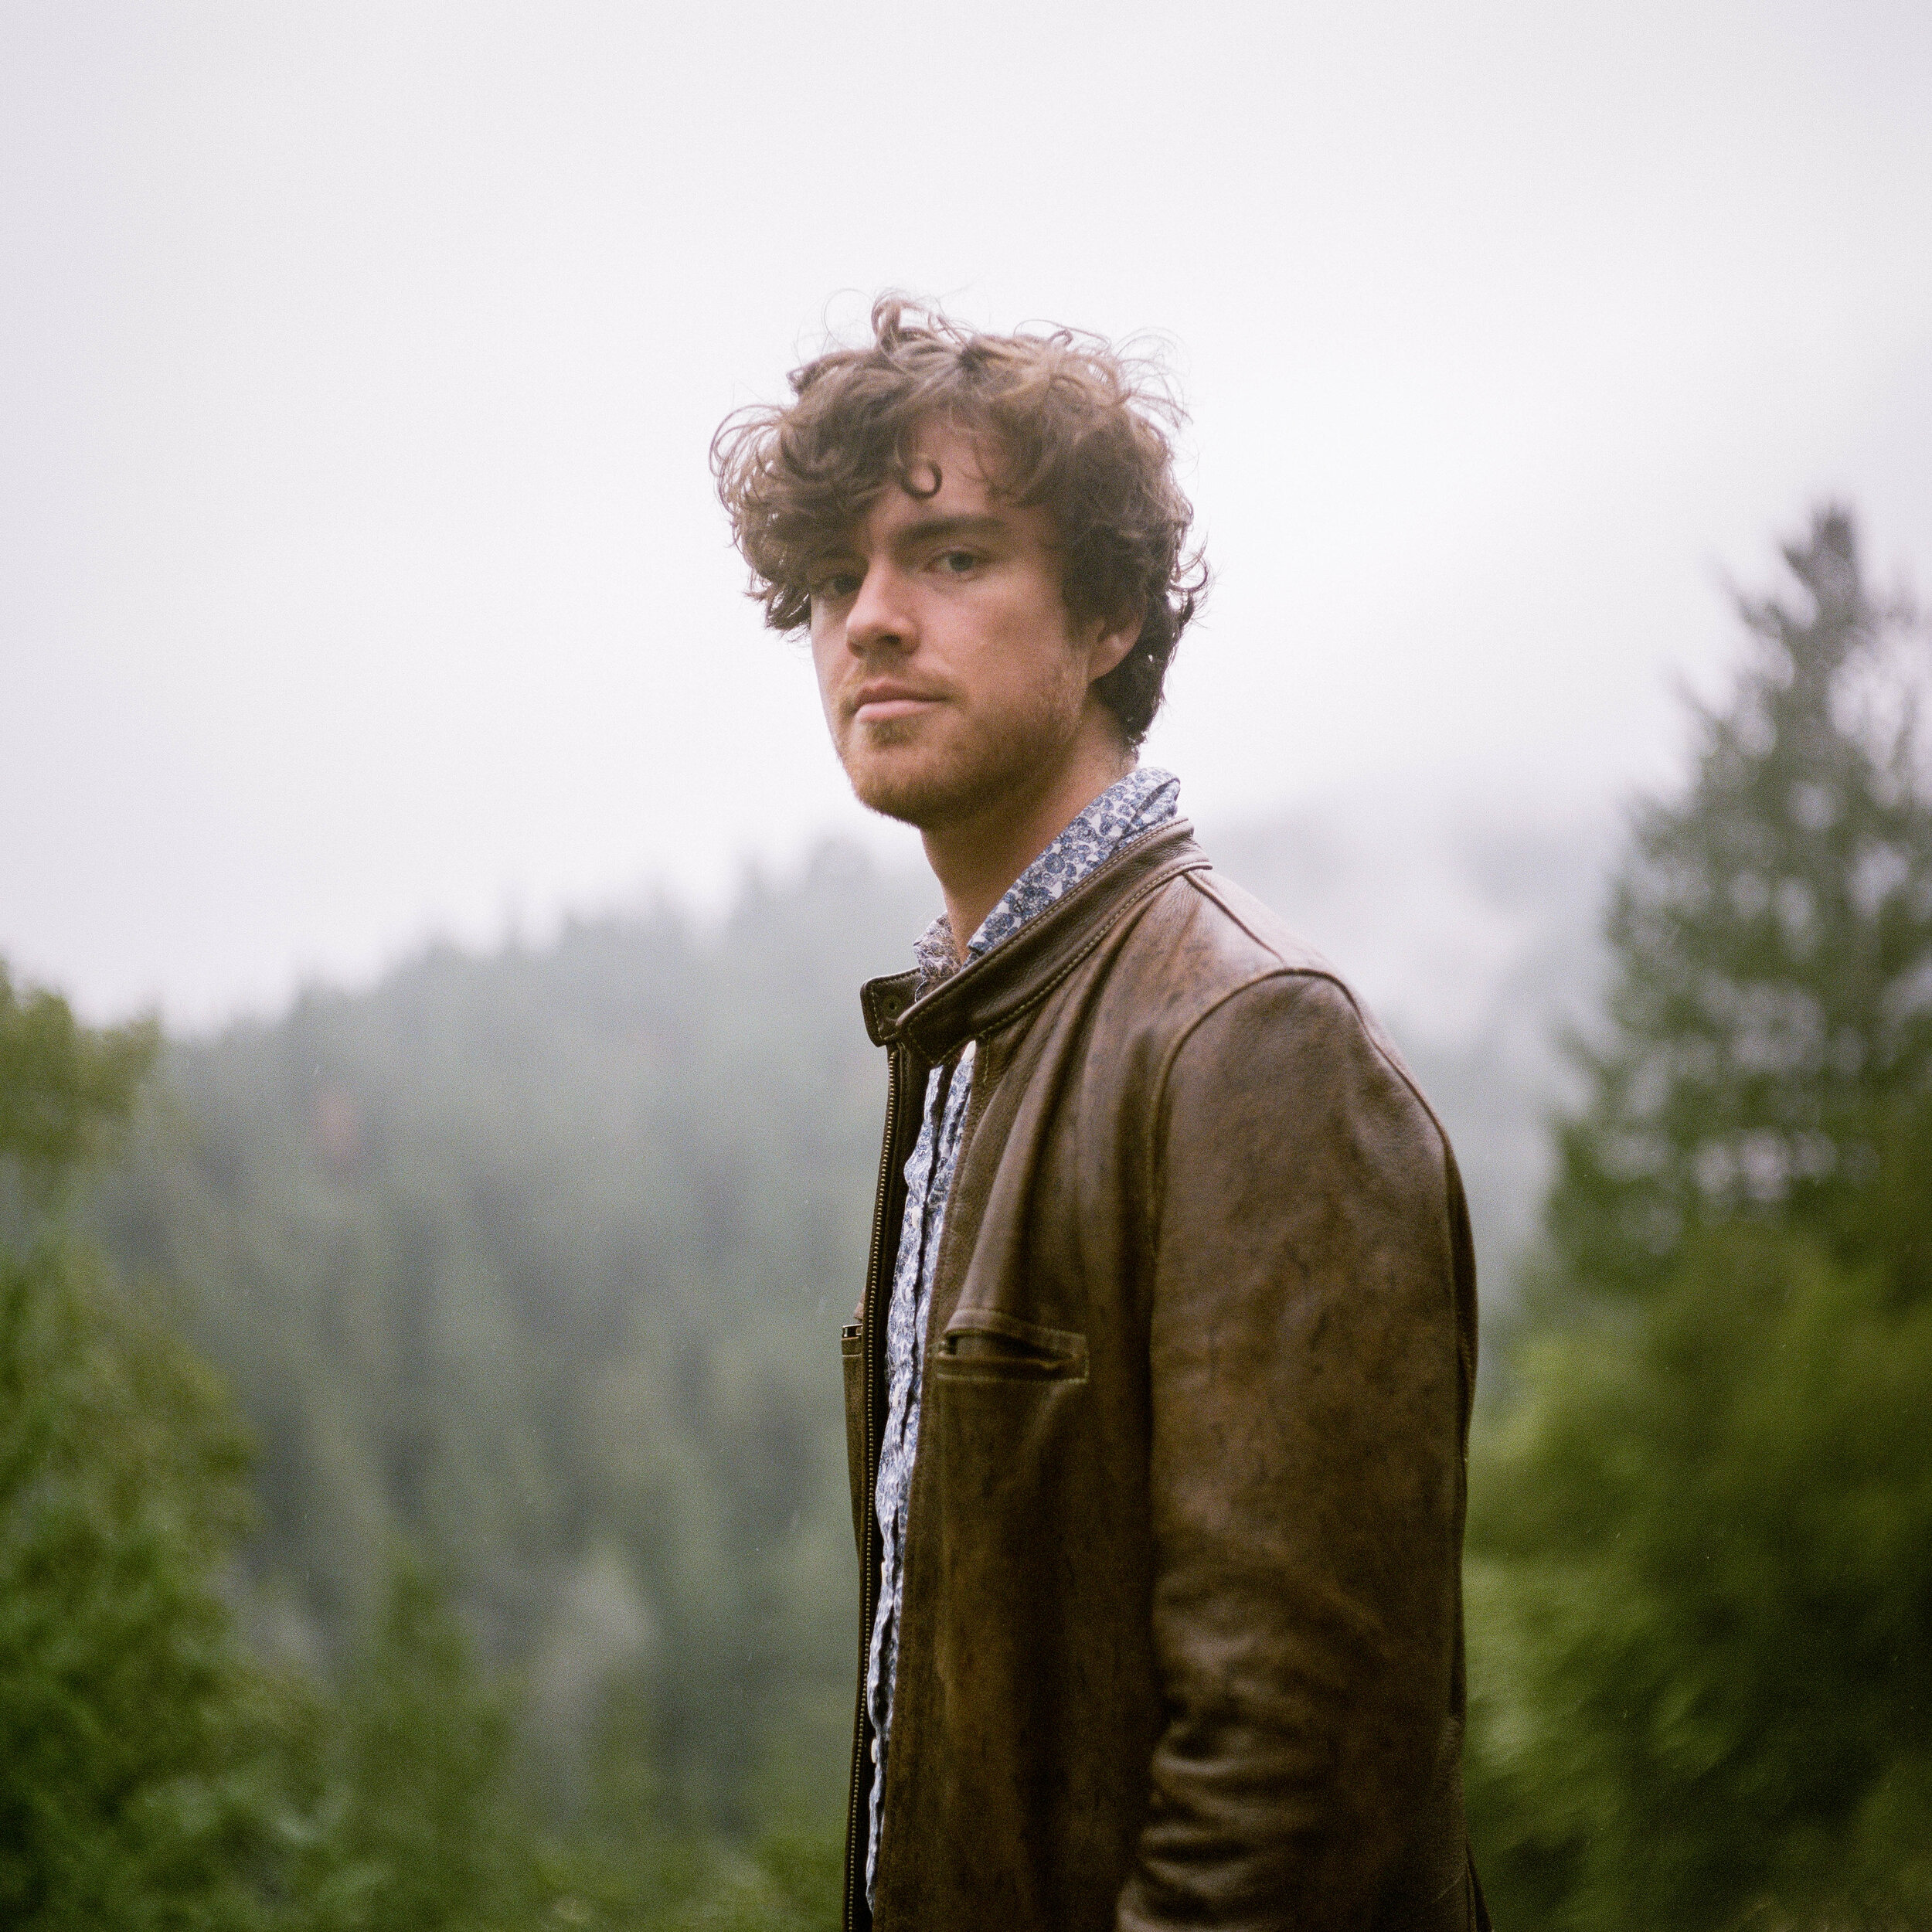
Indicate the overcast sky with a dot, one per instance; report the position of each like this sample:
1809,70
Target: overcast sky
360,576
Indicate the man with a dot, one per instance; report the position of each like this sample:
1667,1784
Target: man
1158,1395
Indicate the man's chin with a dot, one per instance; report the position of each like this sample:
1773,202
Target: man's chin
912,801
918,797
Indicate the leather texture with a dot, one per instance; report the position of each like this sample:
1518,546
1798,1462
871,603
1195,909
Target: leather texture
1181,1637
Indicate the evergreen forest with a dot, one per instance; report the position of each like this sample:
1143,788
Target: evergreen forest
423,1499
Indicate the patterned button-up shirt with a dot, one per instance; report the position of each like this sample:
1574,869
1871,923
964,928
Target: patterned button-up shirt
1137,804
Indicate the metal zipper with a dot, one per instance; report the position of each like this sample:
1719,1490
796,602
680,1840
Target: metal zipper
868,1556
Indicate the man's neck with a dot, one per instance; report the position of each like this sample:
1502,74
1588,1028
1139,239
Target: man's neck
975,860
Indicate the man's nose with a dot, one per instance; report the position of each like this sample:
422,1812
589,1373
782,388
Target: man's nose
881,618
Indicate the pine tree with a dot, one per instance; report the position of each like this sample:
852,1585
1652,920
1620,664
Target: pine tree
1770,1020
1700,1583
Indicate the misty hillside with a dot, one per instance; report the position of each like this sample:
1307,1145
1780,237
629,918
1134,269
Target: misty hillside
538,1260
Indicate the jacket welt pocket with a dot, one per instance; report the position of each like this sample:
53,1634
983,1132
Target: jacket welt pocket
981,1345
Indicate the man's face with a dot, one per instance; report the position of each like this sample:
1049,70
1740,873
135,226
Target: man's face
951,676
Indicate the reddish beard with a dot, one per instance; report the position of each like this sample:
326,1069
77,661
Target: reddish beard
964,774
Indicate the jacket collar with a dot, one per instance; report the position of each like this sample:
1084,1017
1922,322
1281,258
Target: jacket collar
995,987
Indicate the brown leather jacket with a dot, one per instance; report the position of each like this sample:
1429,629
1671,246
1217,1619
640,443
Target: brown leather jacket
1181,1640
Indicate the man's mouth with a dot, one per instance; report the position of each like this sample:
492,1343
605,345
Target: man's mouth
881,703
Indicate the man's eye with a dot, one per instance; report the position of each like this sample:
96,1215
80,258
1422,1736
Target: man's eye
836,585
958,562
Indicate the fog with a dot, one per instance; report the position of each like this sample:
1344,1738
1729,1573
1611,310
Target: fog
360,578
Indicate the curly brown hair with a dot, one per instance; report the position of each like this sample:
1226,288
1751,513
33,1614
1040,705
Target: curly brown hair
1081,430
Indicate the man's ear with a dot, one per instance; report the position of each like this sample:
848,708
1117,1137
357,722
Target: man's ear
1113,638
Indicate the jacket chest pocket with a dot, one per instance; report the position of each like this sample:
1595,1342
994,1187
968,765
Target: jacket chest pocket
983,1344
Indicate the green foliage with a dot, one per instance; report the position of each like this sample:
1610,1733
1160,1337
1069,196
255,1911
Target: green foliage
1704,1595
1700,1584
139,1768
147,1768
65,1090
791,1880
152,1773
536,1263
1769,1016
418,1833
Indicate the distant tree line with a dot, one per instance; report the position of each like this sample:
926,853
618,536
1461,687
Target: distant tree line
273,1676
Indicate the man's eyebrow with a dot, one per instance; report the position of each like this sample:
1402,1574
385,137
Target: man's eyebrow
981,528
941,529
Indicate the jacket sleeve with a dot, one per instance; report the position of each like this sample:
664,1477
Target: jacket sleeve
1309,1393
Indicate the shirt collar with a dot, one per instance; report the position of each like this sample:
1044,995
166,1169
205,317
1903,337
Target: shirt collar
1146,797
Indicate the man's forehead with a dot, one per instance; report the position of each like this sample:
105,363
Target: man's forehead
950,478
961,452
